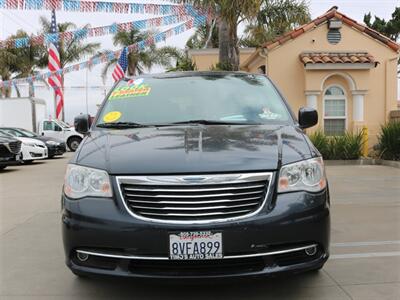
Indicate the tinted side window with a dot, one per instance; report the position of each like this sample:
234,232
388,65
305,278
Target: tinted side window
47,125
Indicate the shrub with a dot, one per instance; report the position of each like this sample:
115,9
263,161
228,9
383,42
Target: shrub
346,146
389,141
321,142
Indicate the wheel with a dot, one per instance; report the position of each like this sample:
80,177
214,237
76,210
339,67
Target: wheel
73,143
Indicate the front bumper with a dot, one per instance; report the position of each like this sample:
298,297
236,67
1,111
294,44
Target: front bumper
122,245
34,152
12,159
54,150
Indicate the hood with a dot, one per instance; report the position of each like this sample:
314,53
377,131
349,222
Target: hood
4,140
45,139
192,149
30,141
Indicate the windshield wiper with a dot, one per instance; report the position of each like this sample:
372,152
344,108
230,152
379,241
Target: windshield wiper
212,122
122,125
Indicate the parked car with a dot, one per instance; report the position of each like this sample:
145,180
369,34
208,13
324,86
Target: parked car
10,149
32,116
31,149
54,146
195,175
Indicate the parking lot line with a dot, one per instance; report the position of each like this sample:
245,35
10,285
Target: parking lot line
365,255
371,243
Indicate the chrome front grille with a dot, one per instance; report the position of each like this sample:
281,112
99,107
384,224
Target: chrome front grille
194,199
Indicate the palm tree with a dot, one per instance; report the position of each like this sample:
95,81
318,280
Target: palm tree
28,59
206,36
183,62
229,14
140,60
275,18
70,51
7,60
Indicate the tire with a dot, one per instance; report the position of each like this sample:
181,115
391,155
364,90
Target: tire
2,167
73,143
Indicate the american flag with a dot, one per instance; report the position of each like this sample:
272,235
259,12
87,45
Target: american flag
122,65
54,65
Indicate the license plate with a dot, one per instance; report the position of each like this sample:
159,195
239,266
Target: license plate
195,245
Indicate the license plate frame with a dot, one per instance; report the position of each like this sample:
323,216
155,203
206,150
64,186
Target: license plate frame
195,245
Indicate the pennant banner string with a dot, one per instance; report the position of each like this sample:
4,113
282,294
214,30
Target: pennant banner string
95,6
86,32
111,55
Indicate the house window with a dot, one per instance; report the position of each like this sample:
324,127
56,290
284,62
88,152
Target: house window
335,111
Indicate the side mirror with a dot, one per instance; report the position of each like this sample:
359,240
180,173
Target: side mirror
82,123
308,117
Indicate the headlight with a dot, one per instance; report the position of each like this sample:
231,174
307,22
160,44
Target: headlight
307,175
52,143
86,182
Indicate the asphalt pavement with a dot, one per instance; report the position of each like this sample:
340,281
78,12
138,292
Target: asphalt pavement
364,263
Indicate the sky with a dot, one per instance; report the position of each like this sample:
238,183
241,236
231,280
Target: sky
78,99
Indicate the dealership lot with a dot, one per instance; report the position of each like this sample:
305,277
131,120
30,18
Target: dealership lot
364,264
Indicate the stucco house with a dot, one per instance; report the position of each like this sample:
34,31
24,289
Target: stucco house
345,70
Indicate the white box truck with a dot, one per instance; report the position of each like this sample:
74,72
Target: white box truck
30,114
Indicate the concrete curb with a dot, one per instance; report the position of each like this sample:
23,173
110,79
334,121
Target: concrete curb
363,162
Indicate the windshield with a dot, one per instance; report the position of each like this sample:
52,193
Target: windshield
5,134
224,98
20,132
62,124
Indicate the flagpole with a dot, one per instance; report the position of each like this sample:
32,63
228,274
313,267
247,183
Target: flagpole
87,91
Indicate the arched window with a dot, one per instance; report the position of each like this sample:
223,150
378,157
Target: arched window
335,111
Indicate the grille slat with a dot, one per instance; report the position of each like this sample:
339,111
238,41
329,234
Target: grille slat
196,214
199,198
150,189
197,202
194,208
193,195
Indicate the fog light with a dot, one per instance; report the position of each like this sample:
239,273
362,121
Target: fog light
82,256
311,251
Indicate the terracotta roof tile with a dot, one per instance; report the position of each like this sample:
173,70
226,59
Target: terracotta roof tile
336,58
326,58
332,13
272,45
320,20
297,33
309,26
283,39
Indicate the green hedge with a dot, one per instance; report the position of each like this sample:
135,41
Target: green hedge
389,141
346,146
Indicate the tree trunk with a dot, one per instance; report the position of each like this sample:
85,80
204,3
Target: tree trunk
132,69
228,48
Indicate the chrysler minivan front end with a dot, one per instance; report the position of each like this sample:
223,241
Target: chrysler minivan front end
195,175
